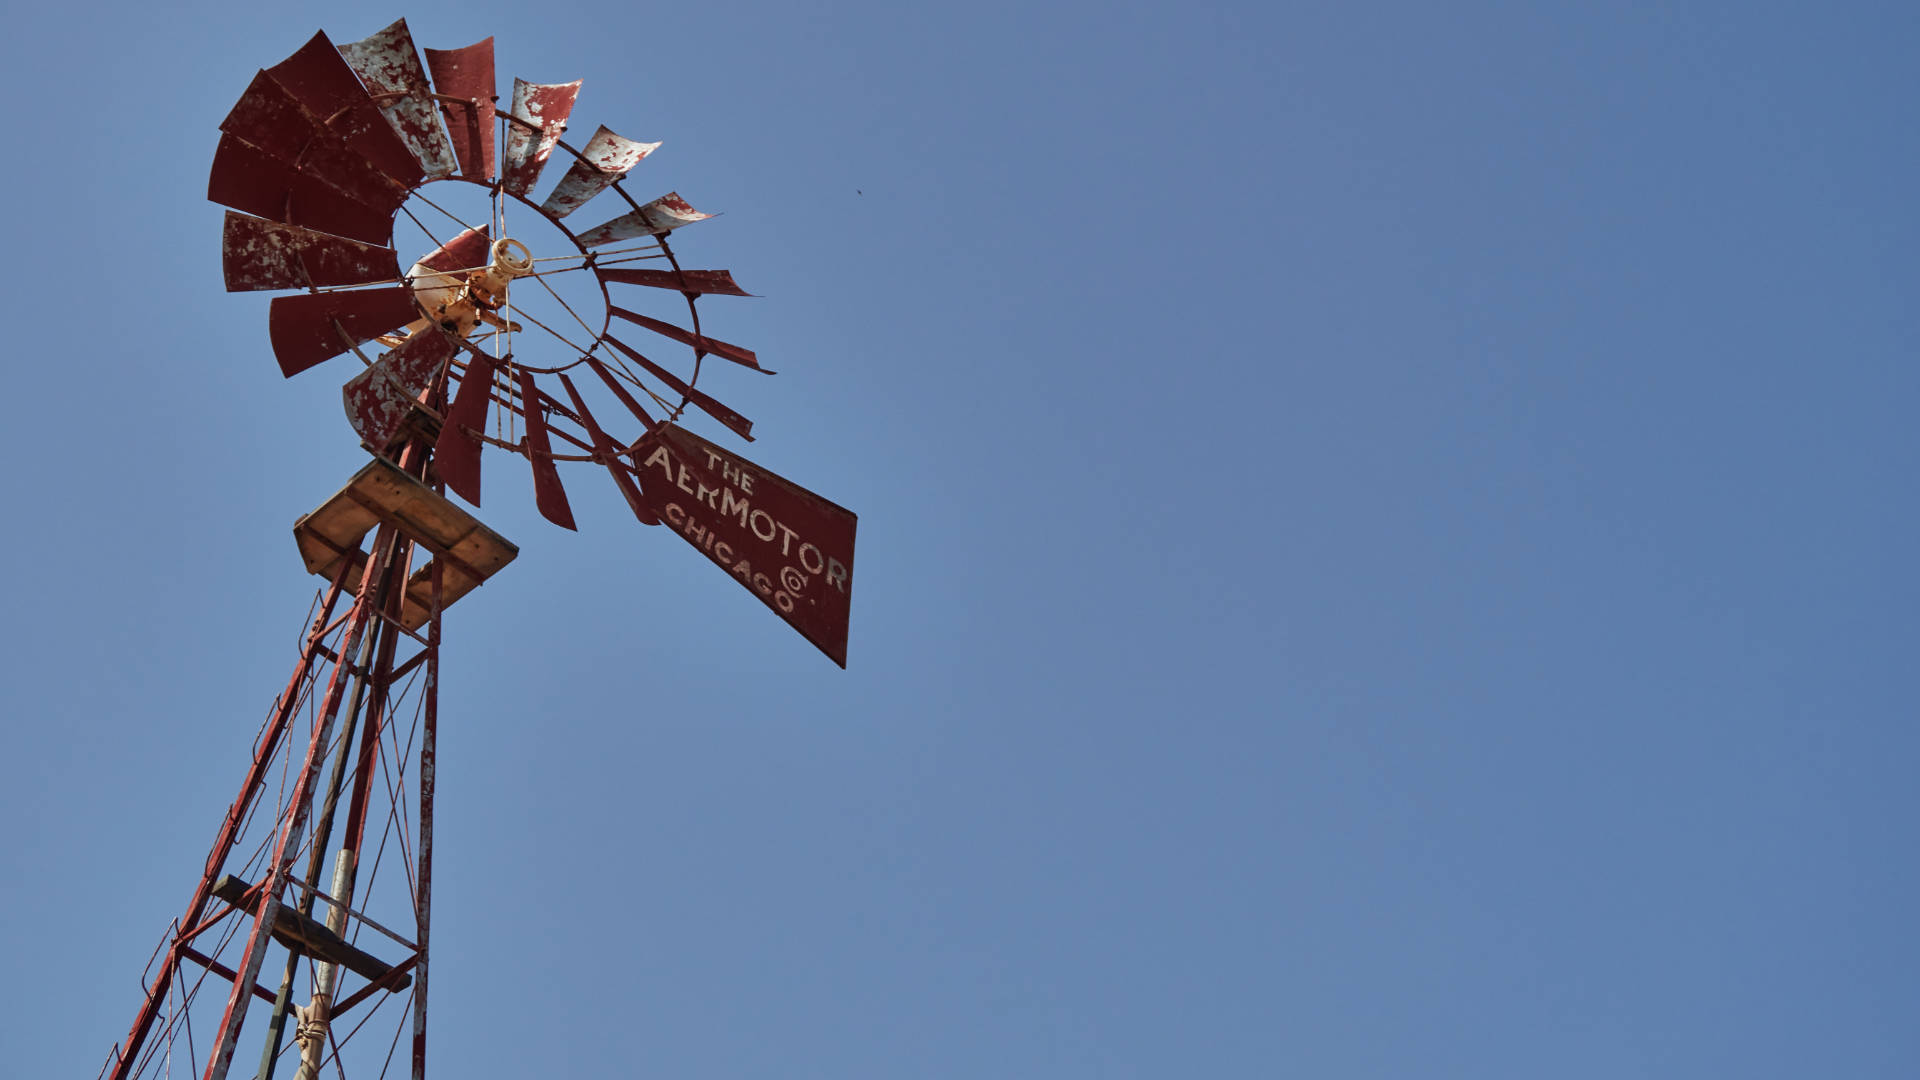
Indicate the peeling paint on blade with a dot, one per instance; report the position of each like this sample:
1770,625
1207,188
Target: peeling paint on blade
388,63
259,254
662,215
319,78
378,399
272,119
606,158
546,107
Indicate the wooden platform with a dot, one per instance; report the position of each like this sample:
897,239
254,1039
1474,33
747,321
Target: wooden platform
470,552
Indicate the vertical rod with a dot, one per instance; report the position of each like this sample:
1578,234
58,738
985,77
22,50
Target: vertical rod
430,727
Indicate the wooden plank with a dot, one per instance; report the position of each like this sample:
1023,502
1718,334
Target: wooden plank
295,930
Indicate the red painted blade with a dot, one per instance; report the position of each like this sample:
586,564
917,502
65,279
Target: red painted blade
468,74
548,495
319,78
388,63
303,328
606,158
662,215
271,119
335,164
244,177
736,423
471,248
259,254
249,179
316,205
546,106
600,369
378,398
723,349
609,456
701,282
456,456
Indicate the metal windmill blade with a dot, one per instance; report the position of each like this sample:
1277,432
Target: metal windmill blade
389,66
463,79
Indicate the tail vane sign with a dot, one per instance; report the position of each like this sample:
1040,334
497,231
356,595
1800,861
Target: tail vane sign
783,543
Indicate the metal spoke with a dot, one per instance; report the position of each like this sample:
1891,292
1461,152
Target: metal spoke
443,210
601,254
620,368
591,332
438,244
636,258
556,334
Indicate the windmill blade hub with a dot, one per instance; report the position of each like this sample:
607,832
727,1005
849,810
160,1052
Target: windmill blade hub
460,300
511,258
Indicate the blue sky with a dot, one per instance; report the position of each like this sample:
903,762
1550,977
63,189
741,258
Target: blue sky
1384,551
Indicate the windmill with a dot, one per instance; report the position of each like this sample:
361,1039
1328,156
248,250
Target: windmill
312,913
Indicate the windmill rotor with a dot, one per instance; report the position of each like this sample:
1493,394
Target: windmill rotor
327,150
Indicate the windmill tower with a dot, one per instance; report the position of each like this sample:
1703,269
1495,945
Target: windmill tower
307,936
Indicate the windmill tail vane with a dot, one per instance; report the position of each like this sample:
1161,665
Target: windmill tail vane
311,915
